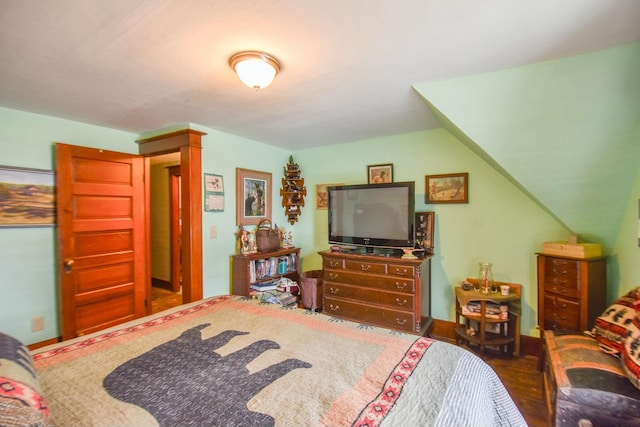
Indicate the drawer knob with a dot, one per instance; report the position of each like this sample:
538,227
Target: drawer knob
556,271
401,286
403,302
555,304
401,272
401,322
334,263
365,267
333,276
334,291
555,316
333,307
561,290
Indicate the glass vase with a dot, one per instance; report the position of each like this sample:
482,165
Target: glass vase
485,277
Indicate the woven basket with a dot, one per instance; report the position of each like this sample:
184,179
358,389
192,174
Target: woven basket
267,237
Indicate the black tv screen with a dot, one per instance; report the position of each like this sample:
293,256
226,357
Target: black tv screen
372,215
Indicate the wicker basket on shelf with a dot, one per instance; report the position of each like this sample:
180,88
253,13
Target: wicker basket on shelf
267,237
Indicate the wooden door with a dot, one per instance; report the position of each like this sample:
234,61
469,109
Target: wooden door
101,208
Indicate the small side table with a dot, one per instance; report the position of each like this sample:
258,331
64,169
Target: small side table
507,339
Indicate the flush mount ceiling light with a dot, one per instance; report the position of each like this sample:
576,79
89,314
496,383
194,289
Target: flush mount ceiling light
255,69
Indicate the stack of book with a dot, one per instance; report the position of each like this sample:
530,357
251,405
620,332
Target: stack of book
264,286
270,292
492,310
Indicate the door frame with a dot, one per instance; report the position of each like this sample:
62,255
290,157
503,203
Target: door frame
175,228
188,142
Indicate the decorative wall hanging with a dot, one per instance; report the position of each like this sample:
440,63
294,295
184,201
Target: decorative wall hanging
424,230
213,193
293,191
447,188
27,197
378,174
253,196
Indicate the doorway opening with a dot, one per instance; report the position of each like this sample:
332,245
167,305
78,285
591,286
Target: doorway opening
187,145
166,230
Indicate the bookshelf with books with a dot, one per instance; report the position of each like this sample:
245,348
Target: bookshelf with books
263,268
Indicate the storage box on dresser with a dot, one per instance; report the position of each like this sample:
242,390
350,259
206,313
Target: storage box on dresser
572,292
378,290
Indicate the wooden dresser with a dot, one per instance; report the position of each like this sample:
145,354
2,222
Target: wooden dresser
386,291
572,292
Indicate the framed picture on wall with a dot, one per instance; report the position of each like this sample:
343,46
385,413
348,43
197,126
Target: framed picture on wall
253,196
378,174
322,197
27,197
447,188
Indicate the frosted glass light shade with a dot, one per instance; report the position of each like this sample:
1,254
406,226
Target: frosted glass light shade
255,69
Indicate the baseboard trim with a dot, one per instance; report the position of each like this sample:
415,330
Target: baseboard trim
40,344
160,283
445,330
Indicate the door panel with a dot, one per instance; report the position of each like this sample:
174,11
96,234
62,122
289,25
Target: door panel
101,231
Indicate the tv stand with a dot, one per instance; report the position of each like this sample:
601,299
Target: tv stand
386,291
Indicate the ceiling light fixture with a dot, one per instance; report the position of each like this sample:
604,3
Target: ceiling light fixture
255,69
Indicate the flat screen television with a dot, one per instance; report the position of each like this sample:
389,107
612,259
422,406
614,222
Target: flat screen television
372,215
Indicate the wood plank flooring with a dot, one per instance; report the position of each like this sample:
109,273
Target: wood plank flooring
523,380
520,375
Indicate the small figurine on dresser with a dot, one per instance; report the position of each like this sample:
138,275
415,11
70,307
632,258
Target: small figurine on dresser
252,246
287,241
242,241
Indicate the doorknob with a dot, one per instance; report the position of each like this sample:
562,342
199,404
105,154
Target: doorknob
68,265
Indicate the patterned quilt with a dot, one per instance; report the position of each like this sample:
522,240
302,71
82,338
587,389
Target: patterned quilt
232,361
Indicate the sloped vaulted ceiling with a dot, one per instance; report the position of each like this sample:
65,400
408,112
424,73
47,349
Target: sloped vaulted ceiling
566,131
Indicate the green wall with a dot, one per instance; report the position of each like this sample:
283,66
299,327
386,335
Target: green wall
28,287
500,224
27,255
567,131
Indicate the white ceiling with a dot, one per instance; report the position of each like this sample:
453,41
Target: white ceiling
348,65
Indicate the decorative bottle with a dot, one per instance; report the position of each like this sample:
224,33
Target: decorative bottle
485,277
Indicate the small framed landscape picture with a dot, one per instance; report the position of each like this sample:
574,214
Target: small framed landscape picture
322,197
447,188
378,174
27,197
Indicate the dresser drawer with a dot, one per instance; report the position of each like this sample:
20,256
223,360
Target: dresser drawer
568,288
560,313
366,267
362,312
562,267
378,282
333,263
401,270
367,295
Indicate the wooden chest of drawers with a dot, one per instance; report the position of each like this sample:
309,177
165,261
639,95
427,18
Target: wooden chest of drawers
385,291
572,292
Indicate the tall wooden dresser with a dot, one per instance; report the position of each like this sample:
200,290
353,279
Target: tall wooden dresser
572,292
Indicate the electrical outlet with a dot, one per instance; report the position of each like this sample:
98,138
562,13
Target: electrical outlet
37,324
213,232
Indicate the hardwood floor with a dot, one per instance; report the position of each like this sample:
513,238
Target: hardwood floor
520,375
162,299
523,380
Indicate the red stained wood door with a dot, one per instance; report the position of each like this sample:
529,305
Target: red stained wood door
101,206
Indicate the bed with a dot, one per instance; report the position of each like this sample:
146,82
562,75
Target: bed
234,361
